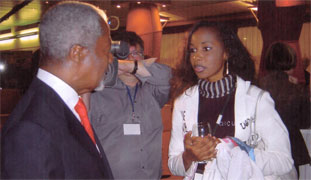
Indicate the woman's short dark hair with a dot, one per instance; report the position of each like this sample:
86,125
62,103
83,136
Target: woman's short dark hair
280,56
239,59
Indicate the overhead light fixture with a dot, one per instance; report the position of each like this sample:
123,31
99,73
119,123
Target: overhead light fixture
164,19
27,34
30,36
28,31
254,8
2,67
163,5
119,6
6,41
138,2
6,36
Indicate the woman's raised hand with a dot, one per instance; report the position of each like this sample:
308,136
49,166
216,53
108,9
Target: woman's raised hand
199,148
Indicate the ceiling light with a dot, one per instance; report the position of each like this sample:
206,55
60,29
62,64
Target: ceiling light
24,35
31,30
2,67
118,6
164,19
6,36
254,8
138,2
163,5
29,37
7,41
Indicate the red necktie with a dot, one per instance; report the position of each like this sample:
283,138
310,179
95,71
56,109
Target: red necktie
81,110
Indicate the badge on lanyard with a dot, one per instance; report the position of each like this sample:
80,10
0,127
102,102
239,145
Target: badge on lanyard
131,129
134,127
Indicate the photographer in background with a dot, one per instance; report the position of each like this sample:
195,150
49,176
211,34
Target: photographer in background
127,116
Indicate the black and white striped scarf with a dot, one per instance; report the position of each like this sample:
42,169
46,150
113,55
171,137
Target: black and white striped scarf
218,88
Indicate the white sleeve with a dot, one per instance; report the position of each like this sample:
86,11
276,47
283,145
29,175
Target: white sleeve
176,146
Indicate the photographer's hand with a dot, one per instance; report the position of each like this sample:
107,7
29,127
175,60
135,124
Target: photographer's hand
127,66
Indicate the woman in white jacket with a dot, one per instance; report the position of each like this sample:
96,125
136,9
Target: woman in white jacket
213,84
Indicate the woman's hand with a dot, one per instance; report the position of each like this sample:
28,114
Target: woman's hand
199,148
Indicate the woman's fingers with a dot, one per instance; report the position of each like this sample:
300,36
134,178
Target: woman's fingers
188,139
203,148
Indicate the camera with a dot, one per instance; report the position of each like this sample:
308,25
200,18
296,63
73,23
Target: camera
120,50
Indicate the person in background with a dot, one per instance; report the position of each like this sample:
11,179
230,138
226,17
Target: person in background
127,116
48,135
291,102
306,65
212,85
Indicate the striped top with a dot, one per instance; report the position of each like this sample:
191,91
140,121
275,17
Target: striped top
218,88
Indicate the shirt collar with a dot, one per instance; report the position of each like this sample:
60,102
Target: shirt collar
66,93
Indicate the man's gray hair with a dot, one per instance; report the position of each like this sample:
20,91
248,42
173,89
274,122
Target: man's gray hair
67,24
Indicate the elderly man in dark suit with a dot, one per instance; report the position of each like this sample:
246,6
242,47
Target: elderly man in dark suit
47,136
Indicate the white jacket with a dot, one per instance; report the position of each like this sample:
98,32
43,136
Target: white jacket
273,160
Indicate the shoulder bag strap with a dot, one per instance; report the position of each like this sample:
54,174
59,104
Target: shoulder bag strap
254,137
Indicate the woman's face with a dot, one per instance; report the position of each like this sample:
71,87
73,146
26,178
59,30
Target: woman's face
207,54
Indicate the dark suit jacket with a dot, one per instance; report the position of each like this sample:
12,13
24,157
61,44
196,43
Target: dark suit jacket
43,139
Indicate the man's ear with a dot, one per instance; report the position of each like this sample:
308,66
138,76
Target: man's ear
77,53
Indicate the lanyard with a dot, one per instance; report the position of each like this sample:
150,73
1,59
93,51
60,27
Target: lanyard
130,96
219,118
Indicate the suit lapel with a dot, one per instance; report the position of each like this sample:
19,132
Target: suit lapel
80,134
105,164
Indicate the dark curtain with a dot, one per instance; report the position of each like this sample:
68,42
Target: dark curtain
281,24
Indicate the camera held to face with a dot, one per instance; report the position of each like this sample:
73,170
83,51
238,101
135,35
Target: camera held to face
120,50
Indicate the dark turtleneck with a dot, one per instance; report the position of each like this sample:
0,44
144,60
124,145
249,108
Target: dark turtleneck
212,99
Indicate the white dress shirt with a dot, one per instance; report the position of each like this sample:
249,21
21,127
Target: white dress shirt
66,93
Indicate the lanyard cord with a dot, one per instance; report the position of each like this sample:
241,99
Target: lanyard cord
219,118
130,96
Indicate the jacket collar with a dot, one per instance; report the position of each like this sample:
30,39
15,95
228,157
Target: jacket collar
243,103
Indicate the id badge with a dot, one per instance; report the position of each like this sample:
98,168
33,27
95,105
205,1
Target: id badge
131,129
